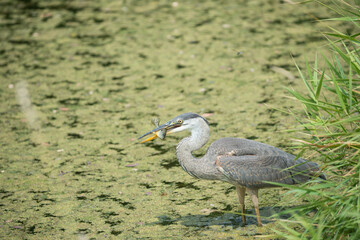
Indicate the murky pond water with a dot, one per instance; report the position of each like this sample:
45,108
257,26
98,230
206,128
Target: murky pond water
81,80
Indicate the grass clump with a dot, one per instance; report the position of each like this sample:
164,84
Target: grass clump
331,122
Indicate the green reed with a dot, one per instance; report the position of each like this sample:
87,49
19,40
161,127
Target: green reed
331,124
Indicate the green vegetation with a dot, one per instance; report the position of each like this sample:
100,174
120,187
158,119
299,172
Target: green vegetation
81,80
332,126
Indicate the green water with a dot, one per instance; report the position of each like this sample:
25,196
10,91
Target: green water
97,72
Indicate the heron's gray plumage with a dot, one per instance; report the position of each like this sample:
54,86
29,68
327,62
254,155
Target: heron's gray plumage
240,161
252,164
245,163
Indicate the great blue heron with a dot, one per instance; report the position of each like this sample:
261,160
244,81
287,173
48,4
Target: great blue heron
247,164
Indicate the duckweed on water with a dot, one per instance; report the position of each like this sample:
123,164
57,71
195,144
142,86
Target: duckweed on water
97,71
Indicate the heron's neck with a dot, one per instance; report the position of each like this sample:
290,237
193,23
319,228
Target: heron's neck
197,167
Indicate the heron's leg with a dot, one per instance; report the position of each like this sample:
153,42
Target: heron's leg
254,197
241,194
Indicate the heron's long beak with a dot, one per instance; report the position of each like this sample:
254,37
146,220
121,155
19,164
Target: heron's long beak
166,126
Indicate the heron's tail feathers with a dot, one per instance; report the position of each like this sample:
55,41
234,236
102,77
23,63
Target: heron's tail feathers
307,170
322,176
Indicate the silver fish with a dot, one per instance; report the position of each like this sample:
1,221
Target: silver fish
162,133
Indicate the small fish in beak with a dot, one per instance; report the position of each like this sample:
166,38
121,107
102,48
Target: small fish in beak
159,131
162,133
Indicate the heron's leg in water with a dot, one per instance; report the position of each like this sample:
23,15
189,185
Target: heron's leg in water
241,194
254,197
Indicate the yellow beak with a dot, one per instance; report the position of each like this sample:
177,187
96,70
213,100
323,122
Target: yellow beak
160,131
150,138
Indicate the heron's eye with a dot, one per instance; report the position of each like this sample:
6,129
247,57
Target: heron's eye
180,121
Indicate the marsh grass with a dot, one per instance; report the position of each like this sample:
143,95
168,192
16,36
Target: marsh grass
331,124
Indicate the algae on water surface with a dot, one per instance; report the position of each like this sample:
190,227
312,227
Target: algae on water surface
97,72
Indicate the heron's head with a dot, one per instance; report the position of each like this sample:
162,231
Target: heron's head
185,121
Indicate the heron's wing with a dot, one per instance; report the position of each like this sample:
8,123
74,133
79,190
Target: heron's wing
251,170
